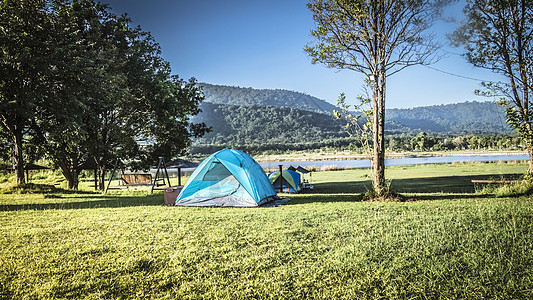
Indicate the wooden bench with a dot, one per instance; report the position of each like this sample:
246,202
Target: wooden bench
495,181
136,179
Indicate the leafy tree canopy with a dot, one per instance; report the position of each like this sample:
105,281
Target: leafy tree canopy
88,88
498,35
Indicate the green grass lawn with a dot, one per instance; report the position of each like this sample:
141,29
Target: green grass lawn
453,242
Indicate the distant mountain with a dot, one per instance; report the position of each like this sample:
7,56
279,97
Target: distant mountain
291,120
466,117
231,95
257,125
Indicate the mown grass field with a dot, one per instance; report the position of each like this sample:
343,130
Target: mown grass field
453,242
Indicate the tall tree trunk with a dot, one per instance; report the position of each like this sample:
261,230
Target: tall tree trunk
101,177
73,184
528,138
530,152
19,156
378,160
70,171
95,178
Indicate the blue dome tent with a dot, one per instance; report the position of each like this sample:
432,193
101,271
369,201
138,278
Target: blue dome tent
227,178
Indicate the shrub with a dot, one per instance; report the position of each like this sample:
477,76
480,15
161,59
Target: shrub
514,189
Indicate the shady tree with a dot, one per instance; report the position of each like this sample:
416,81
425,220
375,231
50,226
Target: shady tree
26,81
89,88
498,36
131,107
377,38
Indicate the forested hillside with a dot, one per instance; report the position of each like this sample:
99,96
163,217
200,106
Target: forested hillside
231,95
268,127
278,119
466,117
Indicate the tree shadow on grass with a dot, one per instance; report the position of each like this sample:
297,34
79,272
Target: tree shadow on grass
431,188
322,198
88,202
435,197
446,184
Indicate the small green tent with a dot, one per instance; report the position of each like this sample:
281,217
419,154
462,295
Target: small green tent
227,178
292,181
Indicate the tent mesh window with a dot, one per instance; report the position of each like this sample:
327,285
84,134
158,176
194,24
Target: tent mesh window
220,186
217,172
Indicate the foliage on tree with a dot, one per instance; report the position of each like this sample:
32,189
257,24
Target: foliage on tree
377,38
359,122
26,80
498,35
107,92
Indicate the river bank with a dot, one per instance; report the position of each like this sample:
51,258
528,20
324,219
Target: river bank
347,155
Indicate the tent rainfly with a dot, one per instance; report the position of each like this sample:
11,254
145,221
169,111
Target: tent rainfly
291,181
227,178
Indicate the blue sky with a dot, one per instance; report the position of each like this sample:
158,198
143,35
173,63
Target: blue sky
259,44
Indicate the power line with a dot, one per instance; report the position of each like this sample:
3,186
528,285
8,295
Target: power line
456,75
450,52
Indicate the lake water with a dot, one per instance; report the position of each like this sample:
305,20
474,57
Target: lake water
394,161
363,163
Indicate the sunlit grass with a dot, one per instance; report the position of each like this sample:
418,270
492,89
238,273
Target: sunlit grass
326,244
